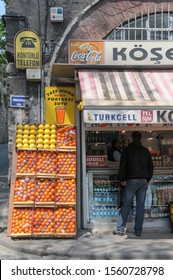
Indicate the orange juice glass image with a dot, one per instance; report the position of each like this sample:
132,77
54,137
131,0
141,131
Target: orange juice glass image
60,114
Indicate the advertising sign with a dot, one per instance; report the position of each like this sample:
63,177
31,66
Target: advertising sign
121,52
96,161
128,116
86,52
60,105
27,50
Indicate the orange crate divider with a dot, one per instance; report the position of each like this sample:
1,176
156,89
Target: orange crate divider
46,175
23,204
45,204
70,204
67,176
66,148
17,235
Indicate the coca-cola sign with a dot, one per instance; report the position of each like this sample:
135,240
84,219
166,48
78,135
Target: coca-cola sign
121,52
86,52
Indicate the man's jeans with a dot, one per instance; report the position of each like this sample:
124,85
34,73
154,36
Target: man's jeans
133,187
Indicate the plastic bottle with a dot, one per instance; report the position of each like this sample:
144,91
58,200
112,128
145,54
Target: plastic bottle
148,200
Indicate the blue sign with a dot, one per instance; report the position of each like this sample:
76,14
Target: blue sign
18,101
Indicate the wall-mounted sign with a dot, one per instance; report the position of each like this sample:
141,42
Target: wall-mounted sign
18,100
86,52
60,105
121,52
128,116
27,50
95,161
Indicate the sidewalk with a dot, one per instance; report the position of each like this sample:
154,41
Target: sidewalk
151,245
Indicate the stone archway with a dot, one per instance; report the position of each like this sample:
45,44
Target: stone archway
98,20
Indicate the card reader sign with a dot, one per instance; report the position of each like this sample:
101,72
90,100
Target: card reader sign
18,101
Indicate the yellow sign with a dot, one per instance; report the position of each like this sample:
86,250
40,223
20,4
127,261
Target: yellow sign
60,105
27,50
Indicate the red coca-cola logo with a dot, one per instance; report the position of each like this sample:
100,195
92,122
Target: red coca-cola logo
146,116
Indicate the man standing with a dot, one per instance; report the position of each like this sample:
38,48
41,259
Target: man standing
135,171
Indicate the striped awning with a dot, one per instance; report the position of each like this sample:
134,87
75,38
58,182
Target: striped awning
126,88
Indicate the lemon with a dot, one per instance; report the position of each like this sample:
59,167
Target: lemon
53,136
52,146
19,131
19,135
46,136
40,141
33,126
32,145
25,136
31,136
26,126
41,126
53,141
33,131
53,126
53,131
25,141
47,126
18,140
46,141
26,131
46,146
40,136
19,145
40,131
40,146
47,131
19,126
31,141
25,145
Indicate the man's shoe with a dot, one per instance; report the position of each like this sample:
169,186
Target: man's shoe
1,229
137,233
116,232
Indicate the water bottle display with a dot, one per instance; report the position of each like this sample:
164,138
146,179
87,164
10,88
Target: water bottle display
105,197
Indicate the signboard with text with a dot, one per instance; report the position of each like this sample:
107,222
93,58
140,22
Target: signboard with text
128,116
121,52
27,50
60,105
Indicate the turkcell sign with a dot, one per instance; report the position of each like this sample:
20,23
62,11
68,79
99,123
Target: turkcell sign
18,101
138,53
128,116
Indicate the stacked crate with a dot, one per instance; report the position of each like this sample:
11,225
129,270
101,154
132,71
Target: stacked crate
43,185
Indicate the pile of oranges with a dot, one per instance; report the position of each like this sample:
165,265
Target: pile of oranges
66,163
66,190
46,162
66,136
45,190
65,220
24,190
22,221
26,162
43,220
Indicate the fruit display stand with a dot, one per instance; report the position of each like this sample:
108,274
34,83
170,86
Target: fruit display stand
43,182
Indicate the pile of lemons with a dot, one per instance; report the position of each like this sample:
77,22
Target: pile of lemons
41,136
26,136
46,136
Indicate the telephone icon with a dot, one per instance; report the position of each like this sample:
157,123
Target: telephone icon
28,42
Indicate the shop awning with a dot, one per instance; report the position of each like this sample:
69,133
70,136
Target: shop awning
126,88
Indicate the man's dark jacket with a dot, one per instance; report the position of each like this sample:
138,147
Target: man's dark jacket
136,163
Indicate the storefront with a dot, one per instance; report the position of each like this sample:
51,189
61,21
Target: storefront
116,97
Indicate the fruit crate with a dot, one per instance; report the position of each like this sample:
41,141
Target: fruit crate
66,137
170,207
42,222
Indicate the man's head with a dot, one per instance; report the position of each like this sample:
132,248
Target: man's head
136,136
